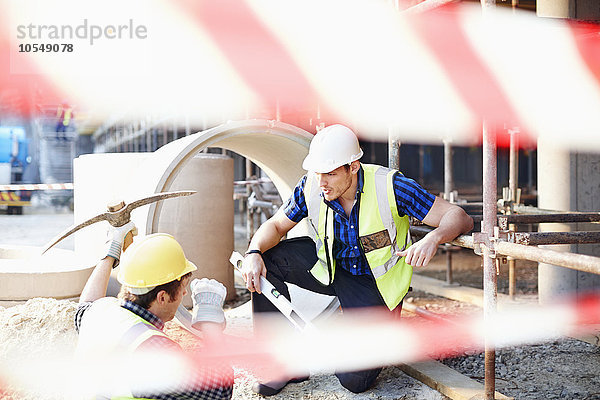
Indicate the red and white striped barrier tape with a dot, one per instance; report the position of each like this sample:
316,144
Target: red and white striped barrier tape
428,75
276,352
39,186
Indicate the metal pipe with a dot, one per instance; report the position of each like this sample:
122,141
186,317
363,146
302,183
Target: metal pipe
448,173
541,238
249,182
578,262
249,213
523,209
421,164
513,179
562,217
449,278
465,241
575,261
393,150
490,193
448,187
512,278
513,166
504,221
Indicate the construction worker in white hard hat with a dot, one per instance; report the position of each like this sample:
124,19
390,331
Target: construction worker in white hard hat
127,332
359,248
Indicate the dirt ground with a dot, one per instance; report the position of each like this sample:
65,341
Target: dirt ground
561,369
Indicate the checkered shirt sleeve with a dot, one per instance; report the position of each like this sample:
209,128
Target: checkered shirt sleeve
295,208
411,198
204,383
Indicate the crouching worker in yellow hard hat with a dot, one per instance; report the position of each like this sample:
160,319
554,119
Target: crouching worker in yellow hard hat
122,341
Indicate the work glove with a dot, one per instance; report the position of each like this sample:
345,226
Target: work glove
208,296
115,240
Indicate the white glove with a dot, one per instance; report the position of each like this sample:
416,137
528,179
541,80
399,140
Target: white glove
208,296
115,238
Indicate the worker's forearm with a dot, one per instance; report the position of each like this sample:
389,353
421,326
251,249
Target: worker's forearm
266,237
95,287
454,223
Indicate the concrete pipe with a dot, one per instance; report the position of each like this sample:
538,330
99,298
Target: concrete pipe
25,275
277,148
203,223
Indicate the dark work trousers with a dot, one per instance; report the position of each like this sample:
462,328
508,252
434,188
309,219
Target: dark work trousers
290,261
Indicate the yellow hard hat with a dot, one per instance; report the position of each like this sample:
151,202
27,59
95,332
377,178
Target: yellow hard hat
151,261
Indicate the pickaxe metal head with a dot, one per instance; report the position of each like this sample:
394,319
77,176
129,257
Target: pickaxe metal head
117,215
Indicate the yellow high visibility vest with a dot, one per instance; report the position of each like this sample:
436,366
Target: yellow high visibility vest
382,232
107,330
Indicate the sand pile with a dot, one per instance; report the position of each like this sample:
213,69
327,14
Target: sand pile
38,327
38,338
40,333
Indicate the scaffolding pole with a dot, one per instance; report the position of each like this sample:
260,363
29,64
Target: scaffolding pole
490,193
513,179
448,173
448,188
393,150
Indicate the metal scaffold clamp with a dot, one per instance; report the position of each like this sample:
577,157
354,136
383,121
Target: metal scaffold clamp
483,238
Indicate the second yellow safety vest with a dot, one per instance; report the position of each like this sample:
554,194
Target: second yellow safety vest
382,232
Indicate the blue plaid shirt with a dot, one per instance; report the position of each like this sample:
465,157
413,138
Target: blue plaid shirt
411,199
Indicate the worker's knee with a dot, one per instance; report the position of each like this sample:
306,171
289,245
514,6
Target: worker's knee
358,381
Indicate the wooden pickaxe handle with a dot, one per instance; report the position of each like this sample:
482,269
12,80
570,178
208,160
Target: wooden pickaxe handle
117,206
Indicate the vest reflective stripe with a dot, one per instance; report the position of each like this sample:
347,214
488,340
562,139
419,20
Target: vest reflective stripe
386,202
378,213
138,334
320,219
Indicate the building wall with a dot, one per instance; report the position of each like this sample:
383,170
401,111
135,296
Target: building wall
586,10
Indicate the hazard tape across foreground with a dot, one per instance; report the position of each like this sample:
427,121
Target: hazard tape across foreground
427,76
39,186
357,341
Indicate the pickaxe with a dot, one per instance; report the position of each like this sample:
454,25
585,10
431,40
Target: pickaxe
118,214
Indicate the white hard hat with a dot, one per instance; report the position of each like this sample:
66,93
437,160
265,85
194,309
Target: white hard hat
332,147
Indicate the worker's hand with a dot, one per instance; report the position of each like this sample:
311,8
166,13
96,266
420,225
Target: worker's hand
420,253
252,269
208,297
116,237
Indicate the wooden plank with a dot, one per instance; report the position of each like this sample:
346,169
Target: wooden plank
447,381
